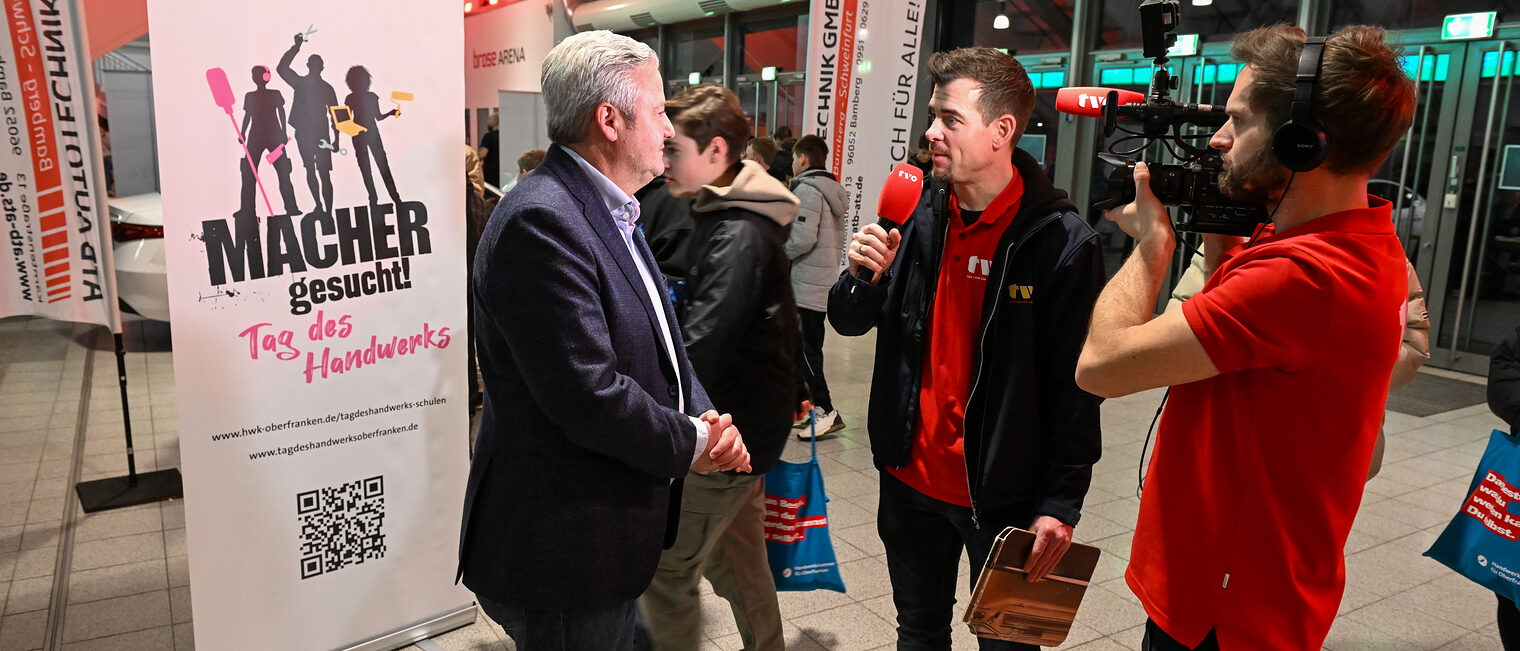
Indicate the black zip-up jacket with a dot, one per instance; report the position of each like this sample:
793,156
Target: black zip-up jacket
740,325
1030,434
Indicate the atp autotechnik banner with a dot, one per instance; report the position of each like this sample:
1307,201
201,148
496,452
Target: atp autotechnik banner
57,240
313,194
862,73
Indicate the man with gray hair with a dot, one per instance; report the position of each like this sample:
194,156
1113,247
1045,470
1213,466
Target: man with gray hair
591,406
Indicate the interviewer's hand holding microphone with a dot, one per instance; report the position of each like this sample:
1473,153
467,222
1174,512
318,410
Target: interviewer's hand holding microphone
873,249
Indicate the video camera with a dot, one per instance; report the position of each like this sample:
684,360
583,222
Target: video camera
1193,183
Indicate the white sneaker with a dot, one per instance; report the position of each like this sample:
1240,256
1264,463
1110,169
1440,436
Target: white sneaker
823,424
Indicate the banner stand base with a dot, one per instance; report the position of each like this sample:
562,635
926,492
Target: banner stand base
421,631
118,492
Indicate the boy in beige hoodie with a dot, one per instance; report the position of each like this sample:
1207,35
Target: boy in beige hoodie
739,322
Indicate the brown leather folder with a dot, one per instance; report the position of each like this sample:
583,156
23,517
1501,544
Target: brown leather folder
1005,606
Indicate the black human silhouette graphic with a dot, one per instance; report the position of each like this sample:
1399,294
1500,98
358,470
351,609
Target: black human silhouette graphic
309,116
263,132
365,107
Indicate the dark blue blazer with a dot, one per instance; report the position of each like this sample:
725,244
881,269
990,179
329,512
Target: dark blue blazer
569,491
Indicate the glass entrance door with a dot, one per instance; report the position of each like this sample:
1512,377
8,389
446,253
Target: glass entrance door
1474,267
1048,74
1416,174
790,94
771,104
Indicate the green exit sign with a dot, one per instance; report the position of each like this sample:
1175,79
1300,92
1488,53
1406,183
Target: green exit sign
694,78
1463,26
1187,45
768,73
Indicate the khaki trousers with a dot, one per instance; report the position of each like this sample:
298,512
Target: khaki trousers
722,537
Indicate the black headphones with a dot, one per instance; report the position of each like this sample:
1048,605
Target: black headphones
1300,144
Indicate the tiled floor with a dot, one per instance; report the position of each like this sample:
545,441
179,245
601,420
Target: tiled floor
127,582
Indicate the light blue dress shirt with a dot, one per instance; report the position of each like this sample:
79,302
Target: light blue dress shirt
625,211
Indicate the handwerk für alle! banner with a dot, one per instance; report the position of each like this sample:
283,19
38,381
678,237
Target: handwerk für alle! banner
861,80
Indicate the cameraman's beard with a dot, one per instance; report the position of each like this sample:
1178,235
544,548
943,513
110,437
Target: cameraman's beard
1257,179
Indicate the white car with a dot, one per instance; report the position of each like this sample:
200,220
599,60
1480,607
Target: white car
142,279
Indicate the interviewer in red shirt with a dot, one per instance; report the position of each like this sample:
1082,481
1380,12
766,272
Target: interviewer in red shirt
978,303
1279,368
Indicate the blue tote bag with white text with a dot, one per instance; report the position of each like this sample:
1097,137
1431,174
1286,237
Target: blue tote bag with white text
797,527
1481,541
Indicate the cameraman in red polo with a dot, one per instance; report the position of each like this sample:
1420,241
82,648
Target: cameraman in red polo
1280,367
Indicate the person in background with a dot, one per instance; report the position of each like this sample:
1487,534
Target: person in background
739,322
529,161
781,164
490,150
921,157
814,245
1504,400
590,420
476,212
473,172
762,150
1414,351
667,225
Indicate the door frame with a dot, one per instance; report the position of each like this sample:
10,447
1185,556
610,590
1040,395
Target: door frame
1441,236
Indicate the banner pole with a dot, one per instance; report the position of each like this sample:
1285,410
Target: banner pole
126,411
133,489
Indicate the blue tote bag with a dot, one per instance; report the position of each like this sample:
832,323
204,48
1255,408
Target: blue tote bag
1480,543
797,527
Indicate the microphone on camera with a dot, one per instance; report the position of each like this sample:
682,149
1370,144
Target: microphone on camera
1087,101
899,196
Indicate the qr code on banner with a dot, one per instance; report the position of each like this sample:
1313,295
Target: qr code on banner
341,525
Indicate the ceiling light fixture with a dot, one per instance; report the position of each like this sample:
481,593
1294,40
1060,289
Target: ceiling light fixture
1001,21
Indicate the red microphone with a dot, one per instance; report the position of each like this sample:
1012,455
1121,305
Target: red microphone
899,196
1087,101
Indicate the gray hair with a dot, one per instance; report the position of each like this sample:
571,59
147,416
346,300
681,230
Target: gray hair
584,71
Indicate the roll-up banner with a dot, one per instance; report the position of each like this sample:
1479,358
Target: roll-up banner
861,76
57,239
313,197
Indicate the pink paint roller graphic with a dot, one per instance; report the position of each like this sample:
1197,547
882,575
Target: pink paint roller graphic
221,92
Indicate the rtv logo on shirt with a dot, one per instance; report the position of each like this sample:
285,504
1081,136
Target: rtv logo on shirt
979,268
